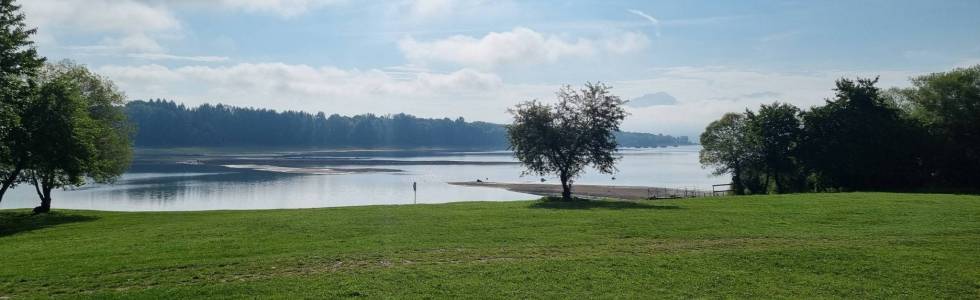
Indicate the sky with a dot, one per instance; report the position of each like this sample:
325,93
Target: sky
684,62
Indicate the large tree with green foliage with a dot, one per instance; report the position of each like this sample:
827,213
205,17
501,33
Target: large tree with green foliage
727,145
948,105
861,141
566,137
78,131
61,138
19,63
777,130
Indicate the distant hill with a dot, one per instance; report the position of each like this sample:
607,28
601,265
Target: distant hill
655,99
162,123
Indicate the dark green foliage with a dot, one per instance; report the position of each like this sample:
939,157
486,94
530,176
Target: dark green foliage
759,149
567,137
167,124
948,105
924,137
163,123
777,130
61,138
858,141
77,130
19,63
727,147
643,140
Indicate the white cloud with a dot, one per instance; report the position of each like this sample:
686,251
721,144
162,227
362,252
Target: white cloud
164,56
124,26
645,16
705,93
626,42
280,85
142,75
133,43
138,46
120,16
521,45
424,11
654,21
284,8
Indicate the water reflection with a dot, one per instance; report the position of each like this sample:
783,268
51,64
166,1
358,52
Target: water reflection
182,181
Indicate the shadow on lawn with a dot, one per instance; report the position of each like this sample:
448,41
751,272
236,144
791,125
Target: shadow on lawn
14,222
600,204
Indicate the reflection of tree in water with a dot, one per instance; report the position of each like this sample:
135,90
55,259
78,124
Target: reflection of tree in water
160,190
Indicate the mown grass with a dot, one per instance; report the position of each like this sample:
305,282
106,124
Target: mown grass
853,245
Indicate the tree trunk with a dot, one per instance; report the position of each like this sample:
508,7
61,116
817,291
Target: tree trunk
566,189
737,181
45,206
44,192
779,188
766,186
9,181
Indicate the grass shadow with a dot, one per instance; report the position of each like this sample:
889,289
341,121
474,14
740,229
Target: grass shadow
14,222
578,203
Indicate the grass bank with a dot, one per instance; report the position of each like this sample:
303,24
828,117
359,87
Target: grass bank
856,245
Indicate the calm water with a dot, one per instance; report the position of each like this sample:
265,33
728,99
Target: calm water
166,181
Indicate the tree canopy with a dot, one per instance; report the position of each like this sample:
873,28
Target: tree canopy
726,147
19,64
776,129
78,131
864,138
947,104
859,141
566,137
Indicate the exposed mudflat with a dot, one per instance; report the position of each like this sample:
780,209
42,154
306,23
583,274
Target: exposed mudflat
311,170
329,162
595,191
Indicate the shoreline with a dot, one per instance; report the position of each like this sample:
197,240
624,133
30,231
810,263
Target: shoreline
593,191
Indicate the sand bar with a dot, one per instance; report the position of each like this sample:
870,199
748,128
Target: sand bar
593,191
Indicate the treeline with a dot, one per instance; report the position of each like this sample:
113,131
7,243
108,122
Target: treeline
865,138
163,123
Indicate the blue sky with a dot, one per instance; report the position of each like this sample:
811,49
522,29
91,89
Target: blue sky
437,58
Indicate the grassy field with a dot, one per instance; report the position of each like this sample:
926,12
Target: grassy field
855,245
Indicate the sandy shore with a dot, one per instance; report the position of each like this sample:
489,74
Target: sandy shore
594,191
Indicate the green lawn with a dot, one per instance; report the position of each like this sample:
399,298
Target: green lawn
854,245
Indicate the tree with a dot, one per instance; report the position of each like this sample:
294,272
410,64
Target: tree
19,62
727,145
78,130
860,141
948,105
60,141
777,129
566,137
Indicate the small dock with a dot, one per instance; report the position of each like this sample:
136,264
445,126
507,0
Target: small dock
595,191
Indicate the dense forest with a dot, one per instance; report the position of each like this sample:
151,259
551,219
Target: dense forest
926,136
163,123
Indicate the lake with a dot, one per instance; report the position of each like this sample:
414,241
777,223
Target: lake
180,180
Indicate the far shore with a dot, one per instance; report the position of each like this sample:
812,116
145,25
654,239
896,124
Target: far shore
593,191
